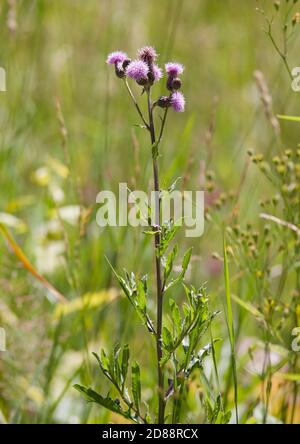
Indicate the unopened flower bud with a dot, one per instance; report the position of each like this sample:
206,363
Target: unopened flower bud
126,63
176,83
120,72
143,81
164,102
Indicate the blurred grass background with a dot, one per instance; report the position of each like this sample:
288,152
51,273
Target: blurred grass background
54,55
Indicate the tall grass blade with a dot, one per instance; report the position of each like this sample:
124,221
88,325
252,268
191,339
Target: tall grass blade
230,326
29,267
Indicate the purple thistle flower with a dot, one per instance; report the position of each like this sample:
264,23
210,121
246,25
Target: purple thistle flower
174,69
178,102
147,54
116,57
137,70
157,73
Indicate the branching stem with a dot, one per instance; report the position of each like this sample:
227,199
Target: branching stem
159,286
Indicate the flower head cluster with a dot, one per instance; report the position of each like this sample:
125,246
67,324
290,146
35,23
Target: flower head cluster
145,72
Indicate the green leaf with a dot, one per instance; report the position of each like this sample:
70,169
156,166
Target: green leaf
228,297
230,327
249,307
176,318
217,410
197,361
185,264
108,403
116,365
103,360
186,260
104,364
174,184
121,281
167,339
125,362
289,118
226,417
136,294
168,234
136,384
289,376
170,262
217,415
141,296
151,232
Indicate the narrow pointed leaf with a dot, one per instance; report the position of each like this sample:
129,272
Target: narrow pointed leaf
136,384
108,403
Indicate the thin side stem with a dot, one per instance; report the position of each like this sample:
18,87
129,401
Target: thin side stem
159,292
136,105
163,125
283,55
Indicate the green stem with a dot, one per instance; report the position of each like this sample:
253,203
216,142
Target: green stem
159,287
136,105
280,53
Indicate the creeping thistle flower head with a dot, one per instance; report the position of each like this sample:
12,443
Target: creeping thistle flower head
147,54
178,102
116,57
138,71
120,60
174,69
157,72
145,72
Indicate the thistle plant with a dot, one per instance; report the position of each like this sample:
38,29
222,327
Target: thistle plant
176,336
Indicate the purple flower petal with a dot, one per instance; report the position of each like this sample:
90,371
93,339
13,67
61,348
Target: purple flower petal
178,102
147,54
137,70
116,57
157,72
174,69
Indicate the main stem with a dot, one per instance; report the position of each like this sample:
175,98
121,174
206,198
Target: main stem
159,290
